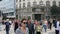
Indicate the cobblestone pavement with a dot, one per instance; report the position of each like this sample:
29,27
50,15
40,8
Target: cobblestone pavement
12,32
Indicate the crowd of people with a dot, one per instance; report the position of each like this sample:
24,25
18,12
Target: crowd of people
26,26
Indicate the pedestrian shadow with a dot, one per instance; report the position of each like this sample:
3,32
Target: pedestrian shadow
51,33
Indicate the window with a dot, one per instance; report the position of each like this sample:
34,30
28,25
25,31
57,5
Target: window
23,0
54,2
41,2
28,5
20,6
59,3
34,3
20,0
11,14
23,5
47,3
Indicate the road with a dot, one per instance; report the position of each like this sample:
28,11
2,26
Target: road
12,31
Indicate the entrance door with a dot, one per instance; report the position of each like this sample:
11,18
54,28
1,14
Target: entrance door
37,17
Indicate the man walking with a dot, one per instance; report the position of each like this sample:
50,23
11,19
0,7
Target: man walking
57,27
7,23
30,27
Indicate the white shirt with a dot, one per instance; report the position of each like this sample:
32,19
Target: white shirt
57,25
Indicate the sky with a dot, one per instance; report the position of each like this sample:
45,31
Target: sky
6,4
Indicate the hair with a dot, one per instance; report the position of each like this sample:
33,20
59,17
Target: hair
23,20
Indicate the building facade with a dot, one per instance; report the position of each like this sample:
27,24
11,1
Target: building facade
7,7
35,9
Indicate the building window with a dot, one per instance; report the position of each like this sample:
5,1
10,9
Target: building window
28,5
23,5
41,3
54,2
34,3
23,0
20,0
59,3
20,6
47,3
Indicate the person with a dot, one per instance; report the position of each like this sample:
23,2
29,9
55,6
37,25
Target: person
16,24
30,26
7,23
54,21
38,29
23,29
51,21
0,26
48,24
57,27
35,23
45,24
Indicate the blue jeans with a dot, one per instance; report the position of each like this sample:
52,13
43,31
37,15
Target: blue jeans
7,32
45,27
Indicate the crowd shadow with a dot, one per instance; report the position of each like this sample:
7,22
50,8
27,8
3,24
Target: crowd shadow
51,33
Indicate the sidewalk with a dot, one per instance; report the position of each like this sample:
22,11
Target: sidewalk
50,31
12,31
3,31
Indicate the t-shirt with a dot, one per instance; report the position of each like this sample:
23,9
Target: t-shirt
7,24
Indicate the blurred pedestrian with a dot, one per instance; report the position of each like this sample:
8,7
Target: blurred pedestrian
30,26
45,24
7,23
48,24
51,21
23,29
54,21
16,24
35,23
38,29
57,27
0,26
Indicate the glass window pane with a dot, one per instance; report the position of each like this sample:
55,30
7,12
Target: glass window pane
34,3
47,3
23,0
54,2
28,5
59,3
23,4
20,0
41,2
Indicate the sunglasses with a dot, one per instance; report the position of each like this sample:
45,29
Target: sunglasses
24,22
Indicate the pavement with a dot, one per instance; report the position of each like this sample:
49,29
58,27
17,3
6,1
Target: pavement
2,31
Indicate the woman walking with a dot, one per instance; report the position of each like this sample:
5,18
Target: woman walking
23,29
